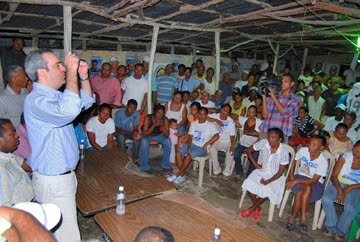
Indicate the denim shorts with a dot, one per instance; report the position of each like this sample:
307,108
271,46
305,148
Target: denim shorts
317,189
196,151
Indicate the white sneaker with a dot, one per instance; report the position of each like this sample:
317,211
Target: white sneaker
179,179
171,178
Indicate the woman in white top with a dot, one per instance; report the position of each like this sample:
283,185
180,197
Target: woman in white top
345,189
208,83
177,110
226,142
250,135
267,180
316,104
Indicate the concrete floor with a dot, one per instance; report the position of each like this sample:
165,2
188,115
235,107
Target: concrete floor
225,195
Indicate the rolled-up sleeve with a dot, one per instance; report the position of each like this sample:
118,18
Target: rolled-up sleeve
86,100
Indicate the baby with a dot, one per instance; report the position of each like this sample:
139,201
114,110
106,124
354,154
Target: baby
174,139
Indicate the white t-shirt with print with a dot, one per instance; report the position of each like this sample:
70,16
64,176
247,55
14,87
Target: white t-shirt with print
100,130
227,130
202,133
309,168
134,89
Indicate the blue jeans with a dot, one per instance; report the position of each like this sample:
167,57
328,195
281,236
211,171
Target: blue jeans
144,151
196,151
332,223
237,157
135,145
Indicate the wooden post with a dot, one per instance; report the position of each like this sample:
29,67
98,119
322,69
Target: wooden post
193,46
83,45
119,47
35,42
172,51
303,65
151,66
67,28
276,58
217,67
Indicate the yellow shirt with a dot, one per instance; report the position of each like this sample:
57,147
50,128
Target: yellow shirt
236,111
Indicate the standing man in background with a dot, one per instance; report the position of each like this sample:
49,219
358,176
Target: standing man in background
48,115
12,56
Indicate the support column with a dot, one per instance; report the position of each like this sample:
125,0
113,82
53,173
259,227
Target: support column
67,28
276,58
151,66
303,65
83,45
35,42
119,47
172,51
217,66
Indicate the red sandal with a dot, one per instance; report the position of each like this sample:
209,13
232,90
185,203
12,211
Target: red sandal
256,216
245,214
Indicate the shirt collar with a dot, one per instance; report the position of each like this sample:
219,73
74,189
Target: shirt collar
6,155
11,91
46,89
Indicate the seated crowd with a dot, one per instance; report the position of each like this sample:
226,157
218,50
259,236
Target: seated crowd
252,114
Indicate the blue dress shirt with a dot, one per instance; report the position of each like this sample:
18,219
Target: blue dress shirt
48,116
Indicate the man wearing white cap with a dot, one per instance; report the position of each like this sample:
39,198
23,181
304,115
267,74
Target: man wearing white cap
136,87
114,65
250,100
243,81
331,122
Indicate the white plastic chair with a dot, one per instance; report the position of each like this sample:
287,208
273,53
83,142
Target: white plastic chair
330,158
272,206
200,162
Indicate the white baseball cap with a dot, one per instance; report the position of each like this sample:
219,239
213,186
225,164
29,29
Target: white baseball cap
146,59
48,214
113,58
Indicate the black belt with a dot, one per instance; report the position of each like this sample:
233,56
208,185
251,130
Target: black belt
65,173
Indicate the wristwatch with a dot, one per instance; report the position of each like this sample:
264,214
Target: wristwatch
85,79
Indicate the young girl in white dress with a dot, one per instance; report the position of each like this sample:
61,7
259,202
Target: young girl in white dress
267,180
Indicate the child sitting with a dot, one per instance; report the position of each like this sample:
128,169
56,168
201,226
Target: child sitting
174,139
308,183
339,142
304,127
267,180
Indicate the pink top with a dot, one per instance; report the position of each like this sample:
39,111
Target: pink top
336,146
173,137
108,89
24,149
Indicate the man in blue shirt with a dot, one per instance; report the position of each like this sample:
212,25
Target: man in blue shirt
127,120
165,86
49,114
188,83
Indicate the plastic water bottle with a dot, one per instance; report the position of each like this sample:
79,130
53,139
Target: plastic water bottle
120,208
216,236
82,149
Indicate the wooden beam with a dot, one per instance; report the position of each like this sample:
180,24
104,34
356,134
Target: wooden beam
187,8
134,7
338,9
151,67
252,14
314,22
217,60
237,45
118,5
285,52
262,4
12,7
35,42
67,29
